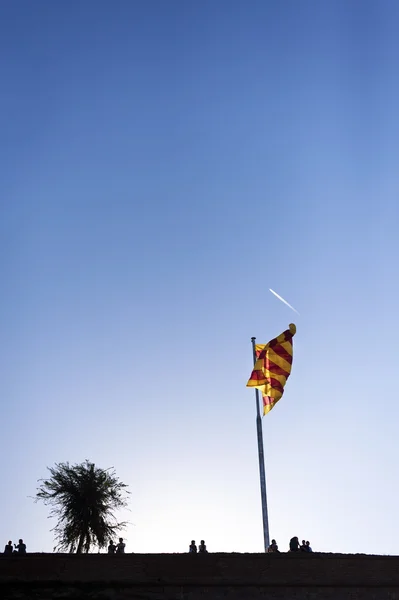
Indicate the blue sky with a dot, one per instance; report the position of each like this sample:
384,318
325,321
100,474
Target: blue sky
162,165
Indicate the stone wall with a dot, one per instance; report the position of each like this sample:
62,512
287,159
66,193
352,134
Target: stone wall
200,577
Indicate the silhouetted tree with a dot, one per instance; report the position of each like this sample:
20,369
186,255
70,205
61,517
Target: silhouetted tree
83,498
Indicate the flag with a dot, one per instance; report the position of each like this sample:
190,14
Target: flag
273,367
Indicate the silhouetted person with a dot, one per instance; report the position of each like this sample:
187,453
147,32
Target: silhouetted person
111,548
193,548
308,548
8,549
120,547
303,546
21,547
294,544
202,548
273,547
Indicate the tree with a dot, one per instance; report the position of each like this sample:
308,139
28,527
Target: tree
83,498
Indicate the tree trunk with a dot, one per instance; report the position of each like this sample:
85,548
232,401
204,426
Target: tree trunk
80,543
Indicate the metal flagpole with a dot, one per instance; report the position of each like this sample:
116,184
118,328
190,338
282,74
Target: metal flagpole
261,462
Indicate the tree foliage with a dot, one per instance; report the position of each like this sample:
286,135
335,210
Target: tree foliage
83,499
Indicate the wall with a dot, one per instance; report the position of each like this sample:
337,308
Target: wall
200,577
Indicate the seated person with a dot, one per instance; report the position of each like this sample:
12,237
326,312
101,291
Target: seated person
294,544
273,547
308,548
202,547
303,546
21,547
120,548
111,548
8,549
193,548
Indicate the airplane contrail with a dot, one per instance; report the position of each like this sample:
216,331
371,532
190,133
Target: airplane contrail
282,300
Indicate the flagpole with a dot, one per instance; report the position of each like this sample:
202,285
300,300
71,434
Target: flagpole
261,462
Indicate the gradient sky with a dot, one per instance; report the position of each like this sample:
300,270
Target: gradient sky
163,163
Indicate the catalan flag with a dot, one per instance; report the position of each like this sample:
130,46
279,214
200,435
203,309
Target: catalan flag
273,367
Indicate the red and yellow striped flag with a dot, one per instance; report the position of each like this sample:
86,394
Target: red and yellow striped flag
273,367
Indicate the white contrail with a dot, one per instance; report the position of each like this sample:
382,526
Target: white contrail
282,300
